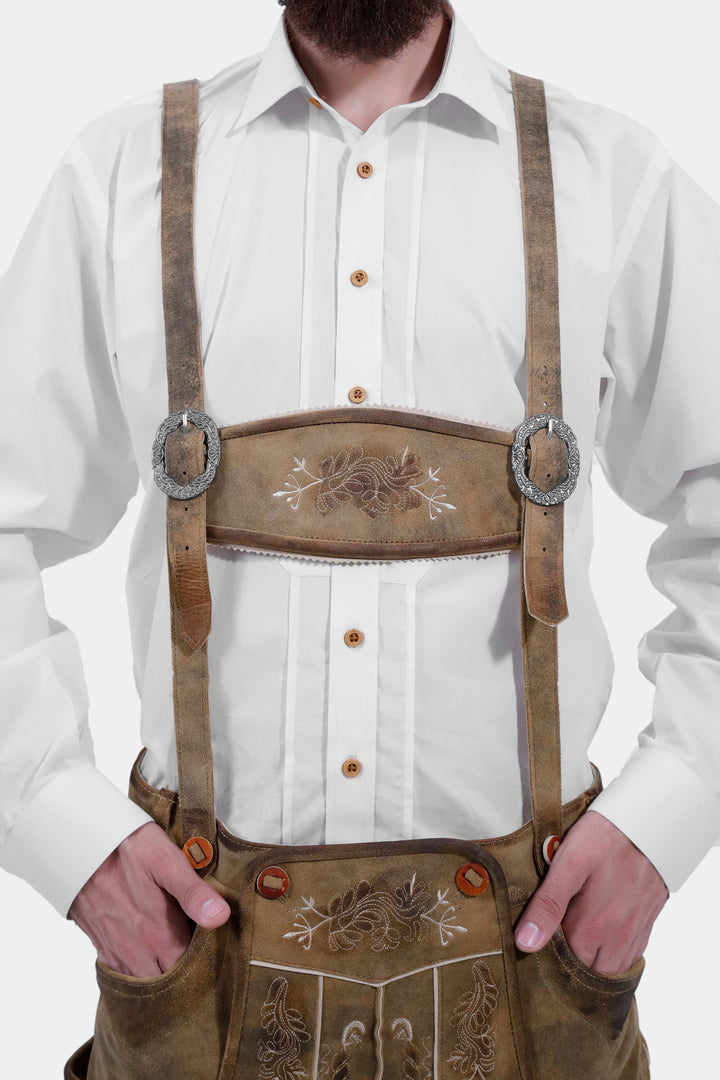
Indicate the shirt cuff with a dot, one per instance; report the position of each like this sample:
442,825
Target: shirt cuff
70,827
667,811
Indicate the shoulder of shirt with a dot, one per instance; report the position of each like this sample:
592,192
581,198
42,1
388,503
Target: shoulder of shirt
606,137
618,154
107,136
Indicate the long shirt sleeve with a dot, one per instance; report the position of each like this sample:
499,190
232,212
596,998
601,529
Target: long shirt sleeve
659,448
66,474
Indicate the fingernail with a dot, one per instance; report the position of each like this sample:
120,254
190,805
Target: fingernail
211,908
528,935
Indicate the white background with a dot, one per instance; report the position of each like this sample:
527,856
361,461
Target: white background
61,64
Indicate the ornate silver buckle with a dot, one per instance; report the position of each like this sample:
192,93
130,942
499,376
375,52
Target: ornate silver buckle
528,487
204,480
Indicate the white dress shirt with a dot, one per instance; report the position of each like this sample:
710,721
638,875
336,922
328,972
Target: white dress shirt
432,703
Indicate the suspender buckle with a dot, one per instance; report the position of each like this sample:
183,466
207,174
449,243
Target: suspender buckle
200,483
528,487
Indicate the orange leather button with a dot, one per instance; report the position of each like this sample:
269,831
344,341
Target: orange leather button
550,846
357,395
199,851
352,767
365,169
472,879
353,638
272,882
358,277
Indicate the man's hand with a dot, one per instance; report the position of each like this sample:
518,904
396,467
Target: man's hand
132,907
603,889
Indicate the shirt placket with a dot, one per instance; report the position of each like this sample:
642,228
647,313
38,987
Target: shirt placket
354,596
354,591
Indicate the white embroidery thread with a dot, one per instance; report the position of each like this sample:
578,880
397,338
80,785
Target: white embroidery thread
286,1034
375,485
474,1053
389,918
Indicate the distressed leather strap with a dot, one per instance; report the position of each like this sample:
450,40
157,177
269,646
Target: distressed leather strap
543,598
543,533
190,601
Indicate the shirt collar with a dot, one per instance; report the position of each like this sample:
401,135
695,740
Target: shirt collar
465,75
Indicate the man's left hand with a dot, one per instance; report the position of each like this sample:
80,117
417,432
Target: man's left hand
605,892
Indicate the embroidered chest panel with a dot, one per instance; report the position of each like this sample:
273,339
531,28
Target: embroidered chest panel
365,483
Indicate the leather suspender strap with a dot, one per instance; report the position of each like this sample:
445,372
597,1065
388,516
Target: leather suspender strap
542,592
543,531
543,602
190,600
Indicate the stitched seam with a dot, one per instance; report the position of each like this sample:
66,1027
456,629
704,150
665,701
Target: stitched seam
144,989
614,984
367,543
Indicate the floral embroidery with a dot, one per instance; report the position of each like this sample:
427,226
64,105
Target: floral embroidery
337,1066
474,1053
417,1062
375,485
285,1035
389,917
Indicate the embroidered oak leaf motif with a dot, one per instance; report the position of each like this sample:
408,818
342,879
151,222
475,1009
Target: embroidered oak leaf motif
385,917
474,1053
286,1034
375,485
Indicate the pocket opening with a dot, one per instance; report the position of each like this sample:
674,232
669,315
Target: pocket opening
620,981
108,976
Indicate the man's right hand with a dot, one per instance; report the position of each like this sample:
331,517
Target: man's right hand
137,905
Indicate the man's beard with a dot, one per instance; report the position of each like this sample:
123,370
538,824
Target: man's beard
364,30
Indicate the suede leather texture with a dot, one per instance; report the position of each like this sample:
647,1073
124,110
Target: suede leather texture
373,964
369,483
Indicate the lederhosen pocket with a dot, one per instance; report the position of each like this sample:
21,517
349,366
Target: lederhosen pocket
394,960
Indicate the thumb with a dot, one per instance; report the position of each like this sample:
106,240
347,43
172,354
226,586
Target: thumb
547,907
203,904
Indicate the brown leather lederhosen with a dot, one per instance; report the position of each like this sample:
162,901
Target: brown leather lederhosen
362,961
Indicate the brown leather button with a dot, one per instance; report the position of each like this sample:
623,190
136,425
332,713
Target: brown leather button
199,851
272,882
357,395
315,102
365,169
550,846
352,767
472,879
353,638
358,277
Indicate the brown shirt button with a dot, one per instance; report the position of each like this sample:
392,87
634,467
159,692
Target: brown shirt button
353,638
357,395
315,102
358,277
351,767
365,169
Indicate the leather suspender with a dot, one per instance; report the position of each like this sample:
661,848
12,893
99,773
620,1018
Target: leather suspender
543,602
190,601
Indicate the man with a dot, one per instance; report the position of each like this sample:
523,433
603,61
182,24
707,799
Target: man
136,902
